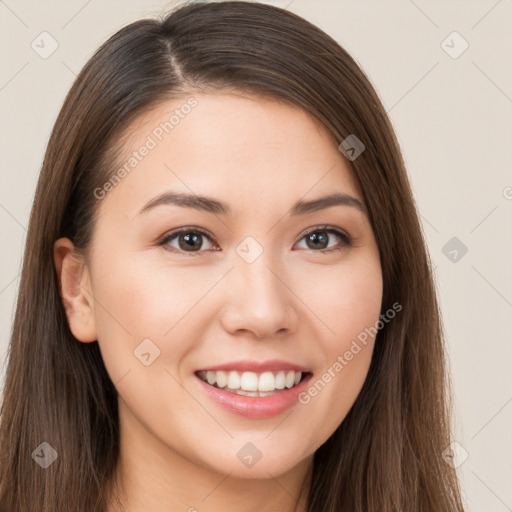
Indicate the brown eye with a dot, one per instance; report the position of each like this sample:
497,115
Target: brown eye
189,240
318,240
192,240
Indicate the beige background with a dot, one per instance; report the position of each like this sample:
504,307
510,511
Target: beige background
453,119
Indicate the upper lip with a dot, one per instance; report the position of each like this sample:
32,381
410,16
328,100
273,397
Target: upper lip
271,365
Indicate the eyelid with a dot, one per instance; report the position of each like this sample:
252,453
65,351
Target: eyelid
186,229
329,229
341,233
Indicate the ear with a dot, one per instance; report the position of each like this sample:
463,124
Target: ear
75,290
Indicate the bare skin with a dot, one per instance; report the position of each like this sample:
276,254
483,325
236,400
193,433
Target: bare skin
210,306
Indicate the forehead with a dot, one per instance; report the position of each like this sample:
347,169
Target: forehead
232,146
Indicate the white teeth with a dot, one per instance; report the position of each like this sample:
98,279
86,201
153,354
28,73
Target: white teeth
266,382
221,379
280,380
251,393
251,383
290,379
233,380
246,393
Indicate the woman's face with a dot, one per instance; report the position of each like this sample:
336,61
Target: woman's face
245,288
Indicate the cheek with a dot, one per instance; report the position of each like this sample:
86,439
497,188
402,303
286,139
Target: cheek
359,301
355,309
348,300
141,299
137,311
351,309
126,296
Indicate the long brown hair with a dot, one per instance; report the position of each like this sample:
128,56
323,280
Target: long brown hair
387,453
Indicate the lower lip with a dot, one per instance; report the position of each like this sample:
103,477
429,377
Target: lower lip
255,407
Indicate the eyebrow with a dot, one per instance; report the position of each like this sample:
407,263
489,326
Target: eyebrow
214,206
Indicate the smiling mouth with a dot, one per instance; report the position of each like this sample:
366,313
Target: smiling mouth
252,383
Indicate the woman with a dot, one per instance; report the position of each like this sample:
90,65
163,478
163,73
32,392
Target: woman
226,300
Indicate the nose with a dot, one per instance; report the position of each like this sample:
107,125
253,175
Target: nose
260,300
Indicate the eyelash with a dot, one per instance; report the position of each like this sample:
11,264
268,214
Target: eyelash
347,240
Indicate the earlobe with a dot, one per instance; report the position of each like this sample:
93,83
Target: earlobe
75,290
